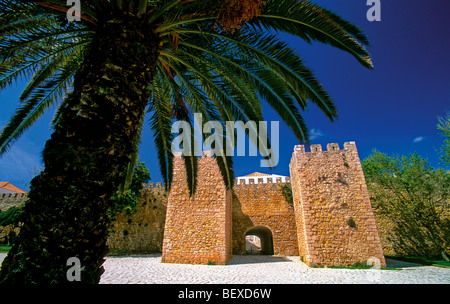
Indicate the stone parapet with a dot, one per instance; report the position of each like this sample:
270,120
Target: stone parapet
262,180
8,200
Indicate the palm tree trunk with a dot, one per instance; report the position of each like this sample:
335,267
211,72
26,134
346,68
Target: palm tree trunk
85,158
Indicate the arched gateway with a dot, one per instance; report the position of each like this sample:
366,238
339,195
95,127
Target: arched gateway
328,192
264,235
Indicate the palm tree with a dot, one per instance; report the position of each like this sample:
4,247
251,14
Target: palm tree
127,59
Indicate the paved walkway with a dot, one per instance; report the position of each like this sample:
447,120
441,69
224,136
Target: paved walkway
262,270
148,269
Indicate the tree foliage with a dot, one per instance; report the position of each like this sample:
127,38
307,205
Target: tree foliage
444,130
12,216
407,192
216,58
286,190
127,199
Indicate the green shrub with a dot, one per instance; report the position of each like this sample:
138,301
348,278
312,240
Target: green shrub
286,190
351,223
10,216
126,200
4,248
123,202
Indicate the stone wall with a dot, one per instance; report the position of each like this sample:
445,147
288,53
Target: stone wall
8,200
335,221
263,204
253,205
139,232
198,227
142,231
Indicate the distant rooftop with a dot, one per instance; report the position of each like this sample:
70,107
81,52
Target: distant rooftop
257,174
7,187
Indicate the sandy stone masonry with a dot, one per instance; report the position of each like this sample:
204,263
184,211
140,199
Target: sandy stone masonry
264,205
330,223
143,230
8,200
198,227
335,221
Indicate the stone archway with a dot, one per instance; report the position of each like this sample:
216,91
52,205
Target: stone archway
265,236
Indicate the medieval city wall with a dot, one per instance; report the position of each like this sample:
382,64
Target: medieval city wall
331,221
335,221
8,200
143,230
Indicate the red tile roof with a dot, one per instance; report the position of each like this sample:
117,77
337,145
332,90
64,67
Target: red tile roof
256,174
11,187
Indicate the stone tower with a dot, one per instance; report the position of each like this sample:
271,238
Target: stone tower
198,227
335,221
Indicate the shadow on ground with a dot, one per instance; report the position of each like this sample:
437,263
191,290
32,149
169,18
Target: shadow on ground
391,263
255,259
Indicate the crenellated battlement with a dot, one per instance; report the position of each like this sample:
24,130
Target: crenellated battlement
261,180
13,195
205,154
331,147
153,186
8,200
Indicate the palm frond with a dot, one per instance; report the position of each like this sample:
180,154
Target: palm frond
41,98
225,164
285,76
314,23
134,158
201,68
160,123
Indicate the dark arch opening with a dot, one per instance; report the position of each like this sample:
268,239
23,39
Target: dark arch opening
265,236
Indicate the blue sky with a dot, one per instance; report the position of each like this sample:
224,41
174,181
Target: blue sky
393,109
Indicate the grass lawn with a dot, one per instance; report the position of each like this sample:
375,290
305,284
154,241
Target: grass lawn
4,248
423,260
